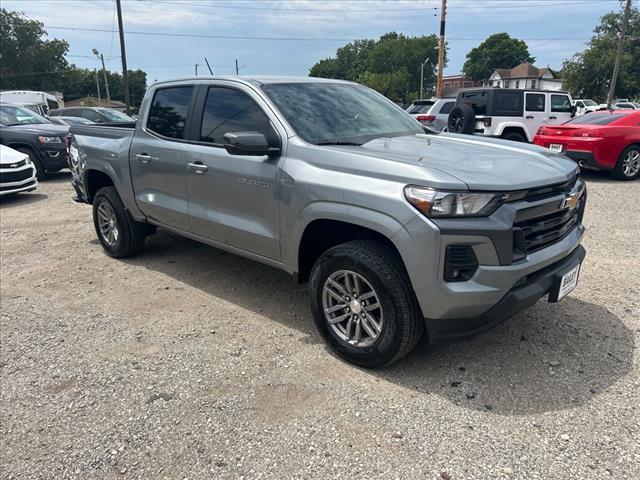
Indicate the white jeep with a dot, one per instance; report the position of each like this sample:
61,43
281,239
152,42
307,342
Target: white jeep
512,114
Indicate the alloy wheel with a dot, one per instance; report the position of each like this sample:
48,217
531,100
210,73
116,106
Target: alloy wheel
631,163
352,308
108,224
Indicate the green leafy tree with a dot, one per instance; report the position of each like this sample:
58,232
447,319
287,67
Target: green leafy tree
588,73
497,51
26,59
390,65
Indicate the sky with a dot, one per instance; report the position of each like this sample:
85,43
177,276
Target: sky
167,38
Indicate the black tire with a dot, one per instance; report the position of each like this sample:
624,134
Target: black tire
131,236
514,137
403,324
618,171
40,171
462,119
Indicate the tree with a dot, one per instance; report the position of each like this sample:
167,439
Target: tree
497,51
25,58
390,65
588,73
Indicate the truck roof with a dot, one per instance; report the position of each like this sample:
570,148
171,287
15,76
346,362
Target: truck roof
257,80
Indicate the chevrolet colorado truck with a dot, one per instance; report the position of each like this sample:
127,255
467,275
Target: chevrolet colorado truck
399,231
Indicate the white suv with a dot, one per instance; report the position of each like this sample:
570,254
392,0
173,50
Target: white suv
511,114
585,105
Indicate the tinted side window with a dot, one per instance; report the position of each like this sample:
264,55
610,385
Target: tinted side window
230,110
447,107
507,103
92,115
168,111
535,102
560,103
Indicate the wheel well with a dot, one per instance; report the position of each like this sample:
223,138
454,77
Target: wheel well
518,130
95,180
321,235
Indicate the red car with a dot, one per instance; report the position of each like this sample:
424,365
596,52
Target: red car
605,140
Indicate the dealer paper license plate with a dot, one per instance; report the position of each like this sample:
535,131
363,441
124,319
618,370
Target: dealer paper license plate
556,147
569,282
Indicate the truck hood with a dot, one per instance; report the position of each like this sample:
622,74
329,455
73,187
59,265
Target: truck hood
481,163
41,129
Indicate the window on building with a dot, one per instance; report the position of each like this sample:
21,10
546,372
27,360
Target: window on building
506,83
517,83
533,83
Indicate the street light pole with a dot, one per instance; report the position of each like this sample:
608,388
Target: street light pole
422,76
98,86
104,74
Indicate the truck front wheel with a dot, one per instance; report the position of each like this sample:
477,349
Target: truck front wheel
117,231
363,303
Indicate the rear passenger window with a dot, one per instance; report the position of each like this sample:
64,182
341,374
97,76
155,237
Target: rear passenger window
230,110
447,107
168,111
477,101
507,104
535,102
560,103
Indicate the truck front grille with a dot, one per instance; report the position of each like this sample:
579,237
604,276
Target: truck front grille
534,233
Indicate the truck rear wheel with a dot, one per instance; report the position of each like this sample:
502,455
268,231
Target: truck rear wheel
363,303
117,232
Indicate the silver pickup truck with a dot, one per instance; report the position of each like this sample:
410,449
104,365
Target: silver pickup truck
399,231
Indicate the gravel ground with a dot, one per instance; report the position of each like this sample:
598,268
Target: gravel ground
187,362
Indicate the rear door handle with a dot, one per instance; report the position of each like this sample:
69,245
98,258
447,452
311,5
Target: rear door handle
529,116
552,118
144,158
198,167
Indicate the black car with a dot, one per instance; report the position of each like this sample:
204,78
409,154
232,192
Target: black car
95,114
26,131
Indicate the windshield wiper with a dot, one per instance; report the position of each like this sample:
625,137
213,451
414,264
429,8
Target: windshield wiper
338,142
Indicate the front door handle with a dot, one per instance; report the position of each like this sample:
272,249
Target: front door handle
529,116
552,118
198,167
144,158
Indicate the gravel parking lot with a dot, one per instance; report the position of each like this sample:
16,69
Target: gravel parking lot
188,362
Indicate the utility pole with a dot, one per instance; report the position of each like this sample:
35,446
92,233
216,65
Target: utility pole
616,66
123,54
443,14
104,74
98,87
237,71
196,69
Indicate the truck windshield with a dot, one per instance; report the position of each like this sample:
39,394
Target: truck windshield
338,113
14,115
590,103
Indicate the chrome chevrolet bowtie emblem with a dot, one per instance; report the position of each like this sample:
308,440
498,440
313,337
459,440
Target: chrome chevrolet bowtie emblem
571,200
13,165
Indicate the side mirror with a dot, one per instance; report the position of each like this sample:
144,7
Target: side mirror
249,143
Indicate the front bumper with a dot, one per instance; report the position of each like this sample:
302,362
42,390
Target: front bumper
53,157
528,291
16,180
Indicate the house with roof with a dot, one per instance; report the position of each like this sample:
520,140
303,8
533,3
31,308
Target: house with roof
525,75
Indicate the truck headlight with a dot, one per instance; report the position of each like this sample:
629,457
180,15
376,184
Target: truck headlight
434,203
49,139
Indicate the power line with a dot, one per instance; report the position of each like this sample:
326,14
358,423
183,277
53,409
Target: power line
294,39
